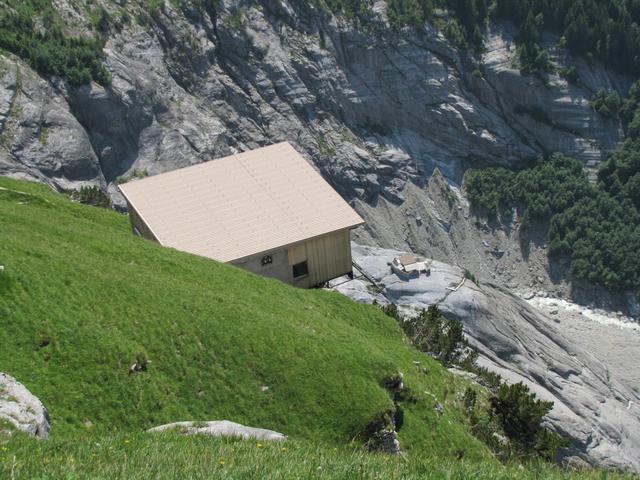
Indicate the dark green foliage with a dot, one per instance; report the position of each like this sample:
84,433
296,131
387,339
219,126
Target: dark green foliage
549,187
104,20
469,399
432,333
91,196
438,336
601,236
520,415
486,377
409,12
455,33
596,226
391,310
490,190
532,57
471,276
471,17
32,30
351,9
570,74
631,103
608,31
540,192
630,111
633,129
606,103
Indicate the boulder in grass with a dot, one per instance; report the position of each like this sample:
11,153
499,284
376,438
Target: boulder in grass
22,409
221,428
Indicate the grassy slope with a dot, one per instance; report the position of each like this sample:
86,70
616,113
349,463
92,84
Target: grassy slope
144,456
76,278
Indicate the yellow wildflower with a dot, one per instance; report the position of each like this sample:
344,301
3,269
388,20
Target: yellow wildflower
259,445
221,462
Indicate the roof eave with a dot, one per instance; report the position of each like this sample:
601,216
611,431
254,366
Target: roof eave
287,245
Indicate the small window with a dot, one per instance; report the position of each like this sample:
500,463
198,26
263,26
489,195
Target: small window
300,270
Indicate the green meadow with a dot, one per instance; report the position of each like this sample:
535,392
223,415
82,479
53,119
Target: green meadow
81,299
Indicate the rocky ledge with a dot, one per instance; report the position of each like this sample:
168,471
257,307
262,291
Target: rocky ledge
599,413
221,428
22,409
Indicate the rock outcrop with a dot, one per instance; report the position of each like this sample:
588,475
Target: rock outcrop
377,113
222,428
22,409
373,111
596,411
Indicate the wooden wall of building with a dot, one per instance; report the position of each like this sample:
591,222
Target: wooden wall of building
278,268
138,226
328,257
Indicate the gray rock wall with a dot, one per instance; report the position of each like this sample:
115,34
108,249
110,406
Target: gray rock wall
372,110
376,112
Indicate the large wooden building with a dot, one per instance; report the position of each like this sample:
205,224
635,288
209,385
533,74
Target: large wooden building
266,210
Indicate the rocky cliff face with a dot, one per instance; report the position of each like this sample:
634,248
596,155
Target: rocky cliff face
376,112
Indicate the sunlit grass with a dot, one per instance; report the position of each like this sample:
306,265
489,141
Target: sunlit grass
81,298
169,456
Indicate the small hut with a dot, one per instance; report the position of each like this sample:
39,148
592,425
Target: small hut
266,210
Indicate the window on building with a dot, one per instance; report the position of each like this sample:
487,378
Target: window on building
300,269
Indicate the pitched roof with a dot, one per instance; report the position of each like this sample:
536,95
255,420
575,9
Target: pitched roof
240,205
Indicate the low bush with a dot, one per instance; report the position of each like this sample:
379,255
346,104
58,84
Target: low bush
606,103
511,422
520,415
440,337
91,196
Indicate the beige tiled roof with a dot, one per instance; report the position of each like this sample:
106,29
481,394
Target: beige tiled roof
240,205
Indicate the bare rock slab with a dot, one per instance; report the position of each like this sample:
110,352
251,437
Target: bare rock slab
22,409
221,428
592,407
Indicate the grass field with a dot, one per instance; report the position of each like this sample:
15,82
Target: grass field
168,456
81,298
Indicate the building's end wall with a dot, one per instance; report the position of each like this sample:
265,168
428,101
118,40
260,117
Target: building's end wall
328,257
138,226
